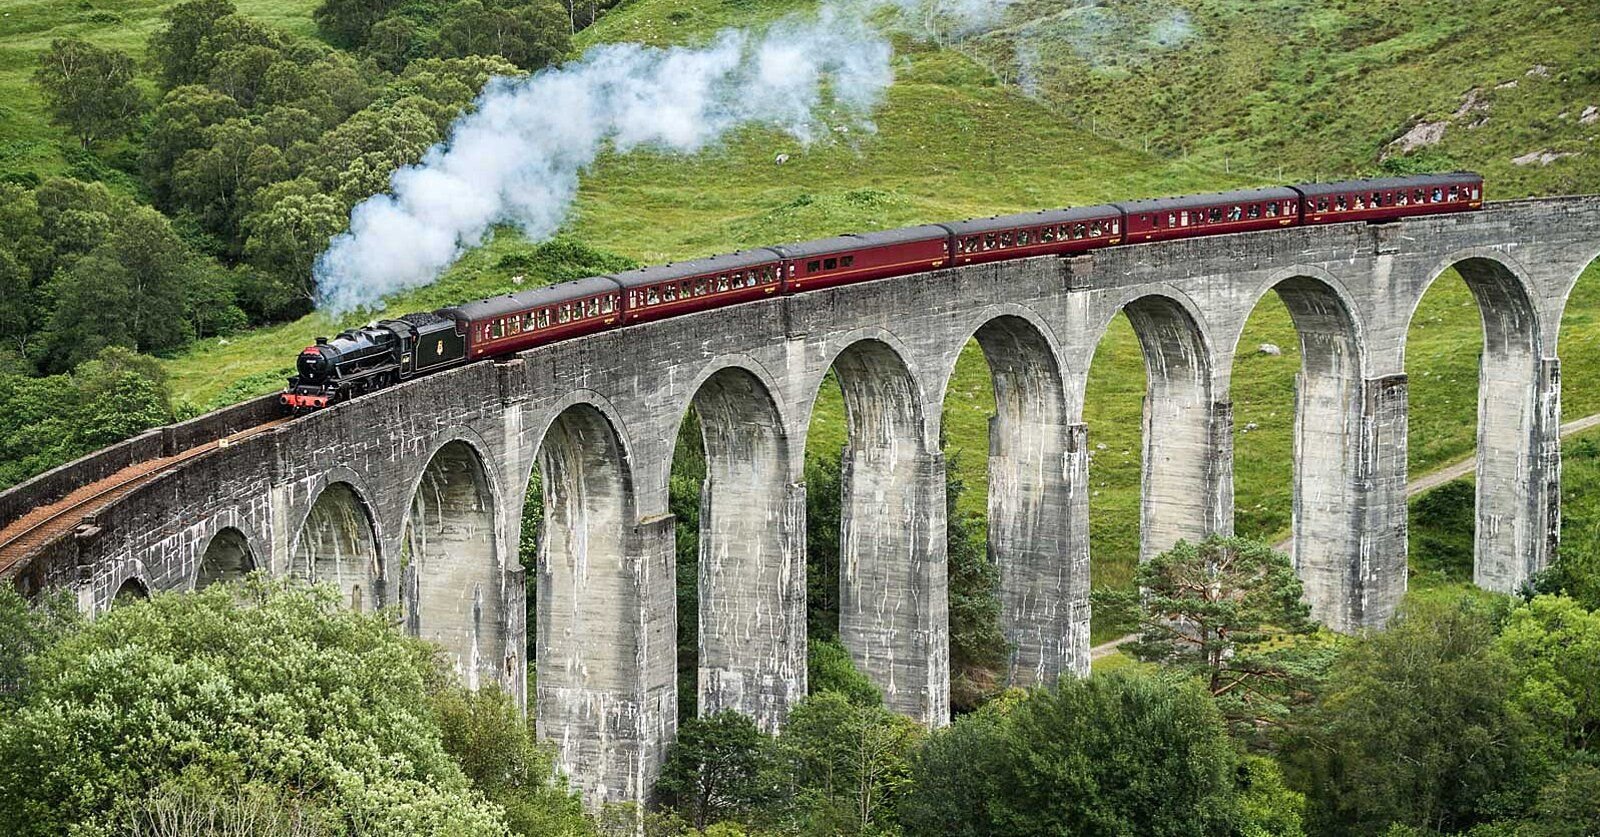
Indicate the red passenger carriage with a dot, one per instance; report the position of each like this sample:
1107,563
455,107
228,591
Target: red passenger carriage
513,322
1049,233
1391,198
653,293
859,258
1228,212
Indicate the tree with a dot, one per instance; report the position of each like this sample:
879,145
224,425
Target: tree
214,182
498,749
720,768
271,684
129,291
1555,645
177,127
1120,753
27,629
1222,609
18,308
89,90
529,35
175,49
830,669
293,226
1413,728
45,422
346,22
849,764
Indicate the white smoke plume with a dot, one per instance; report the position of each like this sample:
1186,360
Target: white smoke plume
517,156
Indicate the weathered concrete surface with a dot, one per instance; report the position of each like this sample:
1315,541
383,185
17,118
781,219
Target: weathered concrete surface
439,468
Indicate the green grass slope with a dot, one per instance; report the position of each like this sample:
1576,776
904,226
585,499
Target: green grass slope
1323,89
28,142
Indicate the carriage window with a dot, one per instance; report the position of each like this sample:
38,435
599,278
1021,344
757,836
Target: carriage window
1095,230
650,296
830,264
1116,227
1172,219
1474,193
1455,193
1322,204
544,317
564,314
1360,204
1235,214
1183,218
608,305
1214,215
847,261
1024,238
1047,235
1272,210
1007,239
1255,210
1078,231
722,283
1400,199
813,266
594,307
1341,204
990,241
498,329
1438,195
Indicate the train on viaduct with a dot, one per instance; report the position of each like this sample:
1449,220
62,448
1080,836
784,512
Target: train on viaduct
411,496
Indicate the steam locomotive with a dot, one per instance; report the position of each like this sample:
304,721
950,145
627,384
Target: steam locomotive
390,351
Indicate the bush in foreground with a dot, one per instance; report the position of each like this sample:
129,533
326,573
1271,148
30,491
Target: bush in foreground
224,698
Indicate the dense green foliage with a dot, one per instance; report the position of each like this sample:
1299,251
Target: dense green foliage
721,768
251,699
1116,754
334,708
45,422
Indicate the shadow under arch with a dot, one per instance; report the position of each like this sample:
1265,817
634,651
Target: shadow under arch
751,567
1513,499
1328,502
453,593
228,557
893,600
338,545
1037,522
132,589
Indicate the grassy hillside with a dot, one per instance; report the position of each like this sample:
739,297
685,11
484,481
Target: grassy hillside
1321,88
944,147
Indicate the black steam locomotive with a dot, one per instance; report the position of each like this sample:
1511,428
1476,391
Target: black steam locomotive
361,360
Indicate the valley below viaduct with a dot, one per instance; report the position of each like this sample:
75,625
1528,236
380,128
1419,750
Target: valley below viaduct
412,497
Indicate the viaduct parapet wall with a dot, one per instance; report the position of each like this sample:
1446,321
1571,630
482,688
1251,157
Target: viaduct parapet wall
413,496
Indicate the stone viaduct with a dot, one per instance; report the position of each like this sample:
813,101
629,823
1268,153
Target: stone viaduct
414,496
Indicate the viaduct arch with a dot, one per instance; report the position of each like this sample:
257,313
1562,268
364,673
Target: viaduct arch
411,497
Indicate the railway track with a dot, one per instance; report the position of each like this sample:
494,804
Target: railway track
30,533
